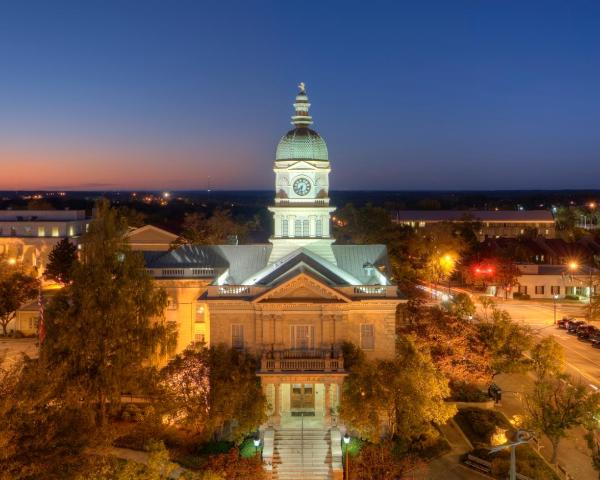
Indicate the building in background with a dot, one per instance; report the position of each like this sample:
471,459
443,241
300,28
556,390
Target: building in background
28,236
150,238
490,224
564,281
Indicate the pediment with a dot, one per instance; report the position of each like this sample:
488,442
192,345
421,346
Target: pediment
301,165
302,287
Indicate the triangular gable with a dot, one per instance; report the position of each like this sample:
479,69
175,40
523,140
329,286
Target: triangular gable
301,165
302,286
150,234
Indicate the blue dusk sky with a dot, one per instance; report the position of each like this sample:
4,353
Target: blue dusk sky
408,95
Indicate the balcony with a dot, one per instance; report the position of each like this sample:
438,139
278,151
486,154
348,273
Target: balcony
318,360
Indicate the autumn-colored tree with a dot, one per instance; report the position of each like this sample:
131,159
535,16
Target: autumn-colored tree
405,395
455,346
556,405
16,288
232,466
379,461
461,306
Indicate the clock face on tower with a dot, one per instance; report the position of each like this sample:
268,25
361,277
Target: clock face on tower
302,186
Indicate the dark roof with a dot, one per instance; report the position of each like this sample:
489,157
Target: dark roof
473,215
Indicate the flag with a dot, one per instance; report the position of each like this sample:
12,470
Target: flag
41,324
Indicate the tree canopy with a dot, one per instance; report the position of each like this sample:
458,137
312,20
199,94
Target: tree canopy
61,260
16,288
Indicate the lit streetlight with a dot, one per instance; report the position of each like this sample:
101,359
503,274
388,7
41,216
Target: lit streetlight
448,262
554,298
521,437
256,442
346,438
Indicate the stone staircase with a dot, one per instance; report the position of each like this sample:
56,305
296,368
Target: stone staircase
302,454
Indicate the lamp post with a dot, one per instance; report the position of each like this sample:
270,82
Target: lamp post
448,262
256,442
521,437
347,443
574,266
554,297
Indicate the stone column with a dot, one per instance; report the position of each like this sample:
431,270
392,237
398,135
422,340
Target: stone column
277,402
327,403
291,226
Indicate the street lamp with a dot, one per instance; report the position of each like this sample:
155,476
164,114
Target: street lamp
521,437
574,266
447,262
347,442
256,442
554,297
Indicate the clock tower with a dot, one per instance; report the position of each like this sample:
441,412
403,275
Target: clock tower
301,214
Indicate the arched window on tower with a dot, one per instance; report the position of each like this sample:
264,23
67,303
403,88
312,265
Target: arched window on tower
319,228
284,227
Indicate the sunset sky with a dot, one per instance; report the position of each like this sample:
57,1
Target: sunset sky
100,95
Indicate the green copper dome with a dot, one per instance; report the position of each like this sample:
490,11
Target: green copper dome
302,143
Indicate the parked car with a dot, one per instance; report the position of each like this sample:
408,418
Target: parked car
585,332
564,322
595,339
574,325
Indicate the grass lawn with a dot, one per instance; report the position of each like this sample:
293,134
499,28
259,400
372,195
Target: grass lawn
353,447
248,450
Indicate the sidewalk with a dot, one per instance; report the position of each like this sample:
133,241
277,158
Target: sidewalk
573,453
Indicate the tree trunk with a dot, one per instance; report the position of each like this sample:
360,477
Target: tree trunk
101,421
4,325
555,442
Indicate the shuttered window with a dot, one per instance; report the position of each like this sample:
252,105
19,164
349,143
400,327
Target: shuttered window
367,336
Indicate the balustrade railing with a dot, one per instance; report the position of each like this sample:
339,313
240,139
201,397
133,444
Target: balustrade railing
302,361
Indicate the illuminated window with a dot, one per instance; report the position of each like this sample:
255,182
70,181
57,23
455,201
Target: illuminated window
171,303
71,230
302,337
237,336
367,336
200,314
55,231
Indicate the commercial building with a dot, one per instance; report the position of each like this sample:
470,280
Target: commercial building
490,224
546,281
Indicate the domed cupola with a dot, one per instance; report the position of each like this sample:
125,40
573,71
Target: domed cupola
302,143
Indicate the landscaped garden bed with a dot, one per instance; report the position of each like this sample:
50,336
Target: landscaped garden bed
479,425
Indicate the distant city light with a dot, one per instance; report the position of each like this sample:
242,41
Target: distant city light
12,261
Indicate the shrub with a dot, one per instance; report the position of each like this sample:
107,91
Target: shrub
571,297
529,463
467,392
479,424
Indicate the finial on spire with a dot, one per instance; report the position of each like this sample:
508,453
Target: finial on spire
302,118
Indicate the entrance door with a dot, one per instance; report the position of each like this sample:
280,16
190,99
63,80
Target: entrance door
302,399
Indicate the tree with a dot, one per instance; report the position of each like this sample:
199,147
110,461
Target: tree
214,392
232,466
405,395
556,405
198,229
60,262
376,462
455,346
16,288
547,358
506,274
461,306
105,326
487,303
506,341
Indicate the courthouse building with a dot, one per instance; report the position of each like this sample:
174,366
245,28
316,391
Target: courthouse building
293,301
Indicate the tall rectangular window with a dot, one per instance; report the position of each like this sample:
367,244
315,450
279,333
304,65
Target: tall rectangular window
55,231
367,336
284,227
319,228
298,228
41,231
237,336
305,228
302,337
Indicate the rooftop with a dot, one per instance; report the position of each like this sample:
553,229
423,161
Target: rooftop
474,215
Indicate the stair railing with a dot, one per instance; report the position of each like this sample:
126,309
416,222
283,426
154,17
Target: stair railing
302,443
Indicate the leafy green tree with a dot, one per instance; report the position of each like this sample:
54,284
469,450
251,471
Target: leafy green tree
557,405
547,358
506,341
106,326
404,395
61,260
16,288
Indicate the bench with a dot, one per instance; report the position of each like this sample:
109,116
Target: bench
477,463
